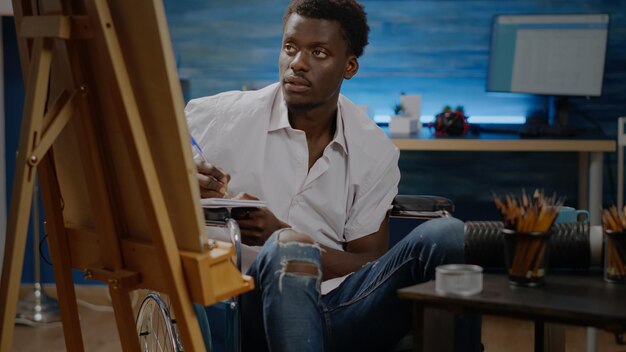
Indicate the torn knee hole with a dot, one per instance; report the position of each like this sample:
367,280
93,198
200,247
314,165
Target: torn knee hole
300,267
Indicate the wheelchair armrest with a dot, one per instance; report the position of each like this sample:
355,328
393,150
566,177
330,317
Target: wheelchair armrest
235,238
420,203
408,211
220,217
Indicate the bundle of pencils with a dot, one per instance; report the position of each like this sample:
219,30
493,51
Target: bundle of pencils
525,215
534,213
613,220
614,224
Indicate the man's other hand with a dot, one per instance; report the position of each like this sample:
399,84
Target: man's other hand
212,180
256,224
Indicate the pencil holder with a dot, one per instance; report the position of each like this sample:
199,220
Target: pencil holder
526,256
615,257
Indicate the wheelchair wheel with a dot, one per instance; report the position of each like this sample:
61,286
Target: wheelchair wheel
155,326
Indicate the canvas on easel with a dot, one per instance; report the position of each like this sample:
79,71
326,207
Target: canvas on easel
103,124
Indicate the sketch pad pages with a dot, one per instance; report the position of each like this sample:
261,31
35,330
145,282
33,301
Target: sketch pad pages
231,203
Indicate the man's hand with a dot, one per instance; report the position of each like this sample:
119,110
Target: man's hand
212,180
256,224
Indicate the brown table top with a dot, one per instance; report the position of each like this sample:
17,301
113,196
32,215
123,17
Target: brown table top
503,142
571,299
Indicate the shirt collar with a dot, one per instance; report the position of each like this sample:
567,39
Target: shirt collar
340,137
279,119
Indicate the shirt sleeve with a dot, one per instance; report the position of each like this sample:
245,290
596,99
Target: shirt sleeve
200,115
373,198
191,117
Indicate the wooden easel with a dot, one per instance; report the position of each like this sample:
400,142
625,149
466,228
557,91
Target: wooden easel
103,124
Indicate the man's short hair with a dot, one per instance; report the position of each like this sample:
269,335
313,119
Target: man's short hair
348,13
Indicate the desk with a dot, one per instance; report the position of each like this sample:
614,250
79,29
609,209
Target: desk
584,300
589,149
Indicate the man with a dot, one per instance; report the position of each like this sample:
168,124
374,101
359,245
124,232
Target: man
328,175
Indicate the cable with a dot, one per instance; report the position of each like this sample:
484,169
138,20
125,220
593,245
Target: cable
41,251
609,171
589,119
607,159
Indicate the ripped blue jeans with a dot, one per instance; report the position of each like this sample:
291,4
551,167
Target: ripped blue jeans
285,311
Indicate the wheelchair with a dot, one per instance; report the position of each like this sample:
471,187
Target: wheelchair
156,326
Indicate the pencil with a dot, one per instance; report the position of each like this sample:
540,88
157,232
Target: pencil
199,149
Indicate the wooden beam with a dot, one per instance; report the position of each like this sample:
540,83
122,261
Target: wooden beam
125,279
58,243
58,27
23,8
45,27
58,116
125,319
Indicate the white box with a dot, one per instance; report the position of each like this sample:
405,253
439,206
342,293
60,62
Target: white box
404,125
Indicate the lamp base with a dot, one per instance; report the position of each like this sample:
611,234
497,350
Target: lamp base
37,308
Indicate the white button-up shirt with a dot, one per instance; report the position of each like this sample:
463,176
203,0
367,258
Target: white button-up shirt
345,194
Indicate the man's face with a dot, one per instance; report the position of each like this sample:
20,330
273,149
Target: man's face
313,62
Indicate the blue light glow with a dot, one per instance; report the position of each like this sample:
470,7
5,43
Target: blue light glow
473,119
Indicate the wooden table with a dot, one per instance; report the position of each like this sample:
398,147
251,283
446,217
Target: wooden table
589,148
584,300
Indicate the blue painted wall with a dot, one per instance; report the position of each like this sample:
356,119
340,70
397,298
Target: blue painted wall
438,49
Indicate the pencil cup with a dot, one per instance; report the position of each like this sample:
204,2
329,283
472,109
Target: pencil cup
615,257
526,255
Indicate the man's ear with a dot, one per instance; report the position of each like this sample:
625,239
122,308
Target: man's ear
352,67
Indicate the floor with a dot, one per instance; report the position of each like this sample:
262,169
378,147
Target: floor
100,334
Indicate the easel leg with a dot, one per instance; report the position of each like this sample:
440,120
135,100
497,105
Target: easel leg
124,317
21,199
13,260
57,240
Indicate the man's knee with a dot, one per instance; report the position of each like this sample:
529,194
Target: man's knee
441,229
289,235
445,230
446,234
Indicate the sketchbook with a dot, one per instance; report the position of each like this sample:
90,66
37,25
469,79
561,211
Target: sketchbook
231,203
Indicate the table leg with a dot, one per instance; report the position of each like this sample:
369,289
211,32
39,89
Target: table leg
583,180
595,210
592,339
554,337
539,335
595,187
418,327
